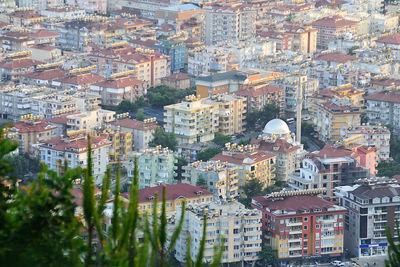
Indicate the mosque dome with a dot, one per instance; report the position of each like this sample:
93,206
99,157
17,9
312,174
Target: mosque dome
276,127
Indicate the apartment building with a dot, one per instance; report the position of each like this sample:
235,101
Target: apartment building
233,22
143,131
232,113
371,136
16,64
333,27
30,131
252,164
73,149
176,53
299,224
372,206
330,117
121,144
155,166
288,155
328,168
240,227
384,108
304,38
342,93
202,60
221,177
118,88
53,104
89,121
175,195
260,95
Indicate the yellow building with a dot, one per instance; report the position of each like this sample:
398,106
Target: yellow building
252,164
197,120
330,117
175,194
121,144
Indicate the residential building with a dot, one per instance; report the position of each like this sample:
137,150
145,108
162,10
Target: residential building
219,83
261,95
371,136
228,23
328,168
389,41
177,14
29,132
298,224
16,64
118,88
192,120
384,108
73,149
304,38
372,206
330,117
333,27
251,163
121,144
342,93
143,131
89,120
221,178
175,52
155,166
240,227
178,81
175,194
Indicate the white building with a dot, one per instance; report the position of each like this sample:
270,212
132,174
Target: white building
56,151
241,228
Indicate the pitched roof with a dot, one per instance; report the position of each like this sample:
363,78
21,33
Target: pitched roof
337,57
134,124
81,79
173,192
37,126
19,63
279,145
296,203
256,92
390,39
119,82
367,192
45,74
81,144
330,151
243,158
385,96
333,22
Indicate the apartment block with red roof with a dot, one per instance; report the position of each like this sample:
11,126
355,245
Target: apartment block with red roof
259,96
14,65
301,225
330,167
73,149
332,27
30,132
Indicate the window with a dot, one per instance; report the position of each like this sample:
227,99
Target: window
305,227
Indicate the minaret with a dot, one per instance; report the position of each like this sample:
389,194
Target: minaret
299,103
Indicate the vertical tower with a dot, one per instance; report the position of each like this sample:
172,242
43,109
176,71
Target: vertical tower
299,106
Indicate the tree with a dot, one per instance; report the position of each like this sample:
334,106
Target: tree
221,139
23,164
126,106
140,115
388,168
251,189
351,50
257,119
164,139
208,153
202,182
162,95
181,161
267,257
244,142
306,129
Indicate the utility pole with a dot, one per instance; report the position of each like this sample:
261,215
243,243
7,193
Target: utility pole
299,106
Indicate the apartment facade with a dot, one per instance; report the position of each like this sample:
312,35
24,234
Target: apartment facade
301,225
221,177
155,166
233,22
252,164
261,95
371,208
328,168
241,228
384,108
73,149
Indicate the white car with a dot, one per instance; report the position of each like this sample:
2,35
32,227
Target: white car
337,263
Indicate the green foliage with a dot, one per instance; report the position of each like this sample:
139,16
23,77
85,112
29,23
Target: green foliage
181,161
128,106
140,115
306,129
267,257
164,139
244,142
394,252
364,117
388,168
162,95
202,182
351,50
221,139
257,119
23,164
250,189
208,153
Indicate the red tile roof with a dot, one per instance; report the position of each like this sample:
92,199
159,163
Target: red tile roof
333,22
178,77
119,83
38,126
330,151
173,192
279,145
390,39
256,92
386,82
242,158
385,96
21,63
45,75
295,203
60,144
134,124
337,57
59,120
44,34
81,79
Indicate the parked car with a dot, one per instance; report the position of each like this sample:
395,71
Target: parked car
337,263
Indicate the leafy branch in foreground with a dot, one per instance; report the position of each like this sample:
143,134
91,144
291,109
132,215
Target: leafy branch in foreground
394,253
